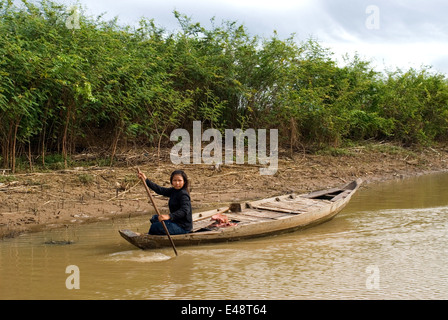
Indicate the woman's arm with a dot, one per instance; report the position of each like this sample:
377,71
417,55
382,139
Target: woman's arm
158,189
155,187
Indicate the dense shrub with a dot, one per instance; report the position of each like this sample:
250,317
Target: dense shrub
63,89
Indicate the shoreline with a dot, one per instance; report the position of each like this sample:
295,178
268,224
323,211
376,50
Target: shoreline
33,202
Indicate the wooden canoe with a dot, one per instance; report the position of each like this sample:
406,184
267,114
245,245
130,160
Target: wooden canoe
257,218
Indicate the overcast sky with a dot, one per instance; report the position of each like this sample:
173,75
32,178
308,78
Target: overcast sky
394,33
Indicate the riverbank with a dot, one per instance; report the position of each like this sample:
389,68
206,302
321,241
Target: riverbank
34,201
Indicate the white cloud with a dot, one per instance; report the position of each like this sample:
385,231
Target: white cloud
278,5
391,56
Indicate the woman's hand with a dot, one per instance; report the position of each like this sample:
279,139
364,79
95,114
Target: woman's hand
164,217
141,175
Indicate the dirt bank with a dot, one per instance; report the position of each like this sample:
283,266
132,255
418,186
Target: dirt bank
32,201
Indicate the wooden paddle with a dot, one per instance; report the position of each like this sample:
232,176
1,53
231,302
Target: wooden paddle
157,211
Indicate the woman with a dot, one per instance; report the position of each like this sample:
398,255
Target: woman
179,220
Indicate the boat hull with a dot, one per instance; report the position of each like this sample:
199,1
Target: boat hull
261,218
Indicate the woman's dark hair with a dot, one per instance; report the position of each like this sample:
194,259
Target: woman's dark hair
184,176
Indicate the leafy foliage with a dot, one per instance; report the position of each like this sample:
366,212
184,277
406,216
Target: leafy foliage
63,89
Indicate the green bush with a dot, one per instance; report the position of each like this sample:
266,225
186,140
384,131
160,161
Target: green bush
63,90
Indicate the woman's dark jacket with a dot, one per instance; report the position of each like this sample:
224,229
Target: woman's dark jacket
179,204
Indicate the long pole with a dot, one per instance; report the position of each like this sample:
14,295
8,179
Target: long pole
157,211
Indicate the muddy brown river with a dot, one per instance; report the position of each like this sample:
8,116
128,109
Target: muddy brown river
390,242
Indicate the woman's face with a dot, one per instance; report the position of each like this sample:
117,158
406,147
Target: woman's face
178,182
